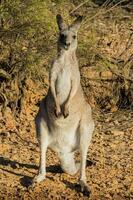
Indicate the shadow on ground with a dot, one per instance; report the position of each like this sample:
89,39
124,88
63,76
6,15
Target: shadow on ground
26,181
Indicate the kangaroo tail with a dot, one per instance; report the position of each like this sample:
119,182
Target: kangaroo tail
68,163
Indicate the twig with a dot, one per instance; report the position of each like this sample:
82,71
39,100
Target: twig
3,96
71,13
120,75
115,6
107,2
130,60
99,12
128,45
4,74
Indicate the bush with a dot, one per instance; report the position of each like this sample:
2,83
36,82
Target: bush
25,30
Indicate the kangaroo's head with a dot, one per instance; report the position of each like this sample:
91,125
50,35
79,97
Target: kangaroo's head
68,34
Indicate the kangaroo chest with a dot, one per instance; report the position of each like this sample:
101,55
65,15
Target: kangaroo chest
63,84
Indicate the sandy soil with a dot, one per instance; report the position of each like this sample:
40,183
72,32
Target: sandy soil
109,161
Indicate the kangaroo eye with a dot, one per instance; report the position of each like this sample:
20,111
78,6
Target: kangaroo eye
74,36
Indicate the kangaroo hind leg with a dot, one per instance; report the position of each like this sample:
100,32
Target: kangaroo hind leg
86,130
42,132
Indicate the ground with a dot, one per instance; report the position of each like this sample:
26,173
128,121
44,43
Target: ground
109,160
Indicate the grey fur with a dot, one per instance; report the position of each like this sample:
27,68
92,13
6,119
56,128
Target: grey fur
64,122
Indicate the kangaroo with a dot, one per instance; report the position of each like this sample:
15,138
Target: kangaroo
64,122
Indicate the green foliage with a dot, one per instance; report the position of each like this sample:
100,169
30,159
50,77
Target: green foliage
25,28
88,46
28,34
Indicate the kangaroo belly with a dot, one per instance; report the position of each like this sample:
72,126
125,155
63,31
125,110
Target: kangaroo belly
64,138
63,85
64,142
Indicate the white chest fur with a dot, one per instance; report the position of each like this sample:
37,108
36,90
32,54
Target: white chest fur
63,84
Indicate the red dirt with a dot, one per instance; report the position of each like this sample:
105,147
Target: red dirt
109,161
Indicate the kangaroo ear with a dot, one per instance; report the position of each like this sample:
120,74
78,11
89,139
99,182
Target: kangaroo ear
61,24
76,24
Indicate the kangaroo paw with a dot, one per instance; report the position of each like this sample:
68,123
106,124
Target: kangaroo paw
65,112
57,112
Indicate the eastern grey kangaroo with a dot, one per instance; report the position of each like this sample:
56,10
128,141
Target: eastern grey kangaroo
64,122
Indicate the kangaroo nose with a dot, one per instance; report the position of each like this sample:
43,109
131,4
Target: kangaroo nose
67,44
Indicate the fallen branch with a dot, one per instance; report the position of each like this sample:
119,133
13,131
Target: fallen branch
103,79
120,75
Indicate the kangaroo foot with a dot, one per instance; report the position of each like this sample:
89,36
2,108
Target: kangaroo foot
84,187
37,179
